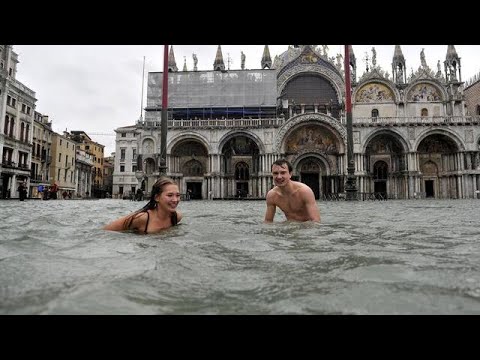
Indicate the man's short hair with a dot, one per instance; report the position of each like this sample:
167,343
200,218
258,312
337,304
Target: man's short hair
281,162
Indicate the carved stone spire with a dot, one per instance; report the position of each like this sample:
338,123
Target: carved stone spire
399,66
172,65
353,63
452,64
185,63
218,63
266,59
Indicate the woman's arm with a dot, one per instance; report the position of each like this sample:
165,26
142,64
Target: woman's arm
138,221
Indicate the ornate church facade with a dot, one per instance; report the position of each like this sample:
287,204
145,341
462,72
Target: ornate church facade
412,136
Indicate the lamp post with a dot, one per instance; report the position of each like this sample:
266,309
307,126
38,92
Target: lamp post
164,119
350,186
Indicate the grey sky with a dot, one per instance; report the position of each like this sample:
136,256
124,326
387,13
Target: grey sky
97,88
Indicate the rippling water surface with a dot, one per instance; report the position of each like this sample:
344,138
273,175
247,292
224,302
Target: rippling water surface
381,257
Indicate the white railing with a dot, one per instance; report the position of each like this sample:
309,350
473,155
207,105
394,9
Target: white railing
220,123
416,120
277,122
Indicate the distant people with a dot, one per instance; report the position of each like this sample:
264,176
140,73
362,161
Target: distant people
139,195
53,191
294,198
189,194
158,214
64,195
22,191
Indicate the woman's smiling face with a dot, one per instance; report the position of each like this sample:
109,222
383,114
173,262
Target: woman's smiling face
169,198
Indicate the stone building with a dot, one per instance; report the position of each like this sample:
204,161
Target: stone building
411,135
17,105
472,96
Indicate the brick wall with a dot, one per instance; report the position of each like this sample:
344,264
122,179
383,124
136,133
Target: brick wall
472,98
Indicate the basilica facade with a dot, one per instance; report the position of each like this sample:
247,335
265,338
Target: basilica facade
412,134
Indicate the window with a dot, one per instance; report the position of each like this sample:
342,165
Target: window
122,154
241,171
424,112
124,135
59,157
134,168
122,168
23,107
5,128
374,114
478,110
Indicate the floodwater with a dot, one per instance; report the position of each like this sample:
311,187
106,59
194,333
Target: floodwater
367,257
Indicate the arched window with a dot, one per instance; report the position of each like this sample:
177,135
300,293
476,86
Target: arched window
22,129
374,114
424,112
241,171
27,130
380,170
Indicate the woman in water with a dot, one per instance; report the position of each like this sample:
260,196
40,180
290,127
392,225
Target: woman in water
160,212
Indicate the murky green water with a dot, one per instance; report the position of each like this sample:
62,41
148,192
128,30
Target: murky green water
387,257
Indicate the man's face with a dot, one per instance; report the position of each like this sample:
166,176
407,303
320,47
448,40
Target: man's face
281,175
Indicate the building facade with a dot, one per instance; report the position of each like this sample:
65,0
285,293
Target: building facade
96,151
412,135
62,168
17,104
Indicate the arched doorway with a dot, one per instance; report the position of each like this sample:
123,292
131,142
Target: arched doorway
437,153
310,173
193,169
380,175
312,149
385,164
240,164
189,158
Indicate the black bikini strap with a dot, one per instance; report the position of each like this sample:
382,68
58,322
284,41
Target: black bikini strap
148,219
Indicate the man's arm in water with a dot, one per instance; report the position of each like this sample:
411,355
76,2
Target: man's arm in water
270,213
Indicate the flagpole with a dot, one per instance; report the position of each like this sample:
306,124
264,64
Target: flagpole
350,185
164,119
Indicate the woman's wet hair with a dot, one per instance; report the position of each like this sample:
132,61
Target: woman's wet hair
157,189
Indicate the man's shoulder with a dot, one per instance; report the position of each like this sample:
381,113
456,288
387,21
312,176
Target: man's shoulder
304,189
272,193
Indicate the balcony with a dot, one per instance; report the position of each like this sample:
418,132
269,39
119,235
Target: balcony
414,121
215,123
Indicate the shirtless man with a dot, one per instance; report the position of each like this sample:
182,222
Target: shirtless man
294,198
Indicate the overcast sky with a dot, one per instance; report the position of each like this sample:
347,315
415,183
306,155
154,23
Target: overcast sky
98,88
